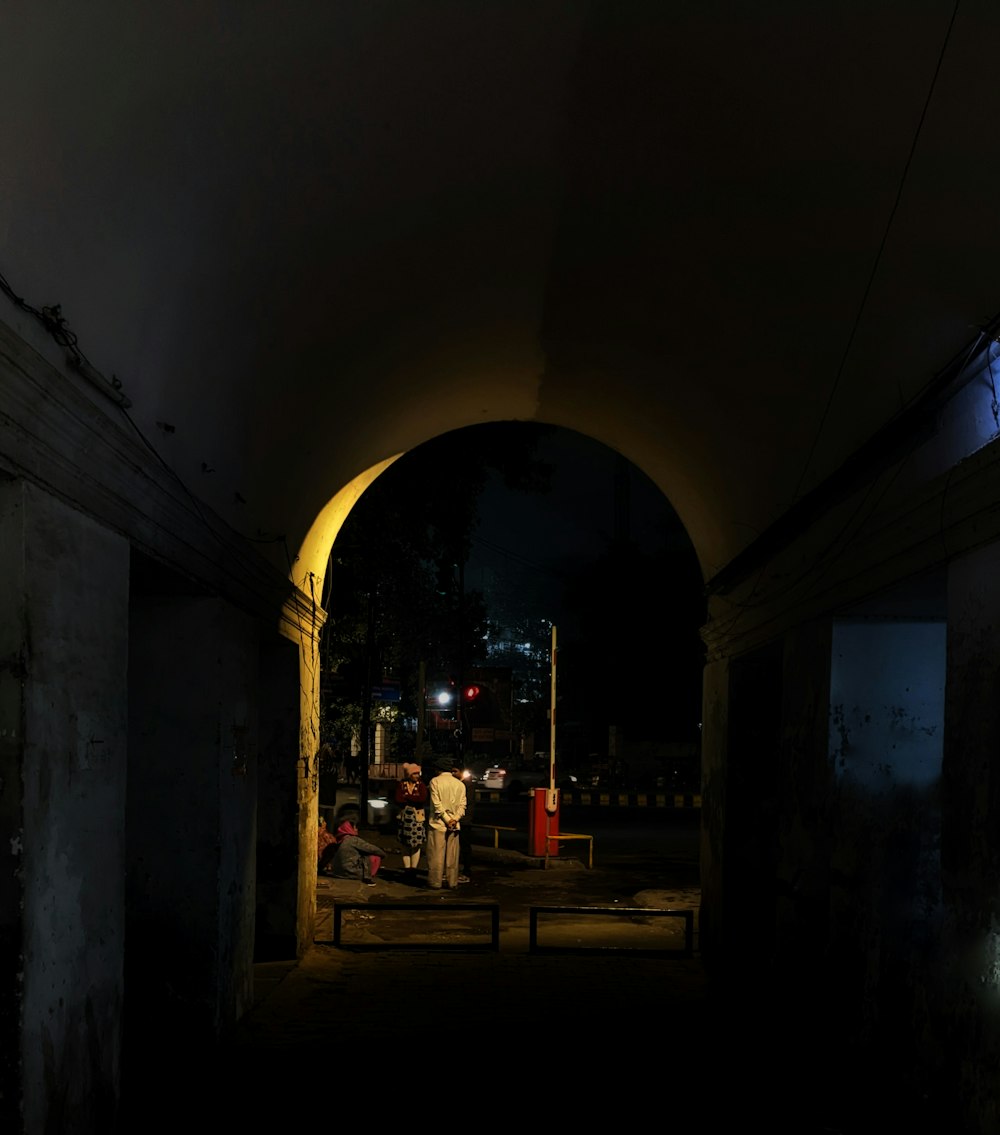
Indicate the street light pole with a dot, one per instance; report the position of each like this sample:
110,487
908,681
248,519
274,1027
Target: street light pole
543,817
366,710
460,739
552,719
421,709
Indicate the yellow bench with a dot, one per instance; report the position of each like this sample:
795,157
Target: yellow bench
496,829
570,835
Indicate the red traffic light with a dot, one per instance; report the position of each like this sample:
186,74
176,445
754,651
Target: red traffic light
470,693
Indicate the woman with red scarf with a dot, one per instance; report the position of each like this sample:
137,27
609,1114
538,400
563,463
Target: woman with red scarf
326,846
356,858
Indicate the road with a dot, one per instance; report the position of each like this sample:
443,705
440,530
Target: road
656,844
647,846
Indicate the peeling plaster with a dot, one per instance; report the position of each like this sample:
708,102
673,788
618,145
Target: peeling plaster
884,742
991,977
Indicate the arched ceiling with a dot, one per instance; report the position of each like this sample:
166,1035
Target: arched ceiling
727,240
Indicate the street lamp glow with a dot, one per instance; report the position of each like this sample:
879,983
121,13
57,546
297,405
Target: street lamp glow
444,697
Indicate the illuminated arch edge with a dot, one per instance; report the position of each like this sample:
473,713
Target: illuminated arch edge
303,618
309,566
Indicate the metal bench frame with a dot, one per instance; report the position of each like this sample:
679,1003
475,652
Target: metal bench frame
617,911
426,908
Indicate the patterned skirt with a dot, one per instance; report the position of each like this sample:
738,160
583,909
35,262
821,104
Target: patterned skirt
410,829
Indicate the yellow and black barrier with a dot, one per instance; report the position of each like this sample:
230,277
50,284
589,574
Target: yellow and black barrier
606,798
496,829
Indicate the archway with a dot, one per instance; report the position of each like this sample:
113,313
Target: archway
311,568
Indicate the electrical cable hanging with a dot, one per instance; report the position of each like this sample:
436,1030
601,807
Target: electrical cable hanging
52,319
878,257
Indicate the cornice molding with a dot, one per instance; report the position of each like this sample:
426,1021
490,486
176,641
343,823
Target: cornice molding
302,618
946,517
57,434
885,448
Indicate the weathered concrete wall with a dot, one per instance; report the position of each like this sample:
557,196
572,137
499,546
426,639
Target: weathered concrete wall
63,639
193,689
307,786
968,983
803,815
12,669
277,803
885,915
887,702
752,794
712,922
239,692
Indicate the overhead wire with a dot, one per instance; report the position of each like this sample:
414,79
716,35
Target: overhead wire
824,559
55,324
51,318
845,354
520,559
747,603
195,503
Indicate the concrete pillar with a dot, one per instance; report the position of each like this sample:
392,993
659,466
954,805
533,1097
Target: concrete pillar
192,800
715,717
301,624
277,803
971,839
750,843
308,785
970,836
740,728
63,664
805,829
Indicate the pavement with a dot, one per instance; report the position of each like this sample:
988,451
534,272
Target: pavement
416,1018
559,1038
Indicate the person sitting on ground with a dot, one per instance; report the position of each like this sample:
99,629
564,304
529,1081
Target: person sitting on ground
326,846
356,858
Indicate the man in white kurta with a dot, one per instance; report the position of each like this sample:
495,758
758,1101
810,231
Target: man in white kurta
447,807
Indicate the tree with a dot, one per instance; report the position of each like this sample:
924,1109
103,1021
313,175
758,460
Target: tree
395,592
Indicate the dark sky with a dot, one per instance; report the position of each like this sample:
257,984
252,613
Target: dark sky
525,541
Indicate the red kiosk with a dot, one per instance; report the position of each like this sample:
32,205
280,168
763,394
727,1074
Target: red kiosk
543,821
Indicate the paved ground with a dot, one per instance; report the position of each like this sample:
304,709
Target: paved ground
547,1039
413,1019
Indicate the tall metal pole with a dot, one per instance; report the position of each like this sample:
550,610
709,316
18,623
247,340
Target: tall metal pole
552,796
421,708
460,739
552,718
366,710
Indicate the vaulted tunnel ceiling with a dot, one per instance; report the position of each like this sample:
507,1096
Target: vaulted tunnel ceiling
728,241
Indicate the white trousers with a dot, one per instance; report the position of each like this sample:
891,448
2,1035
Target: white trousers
442,858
